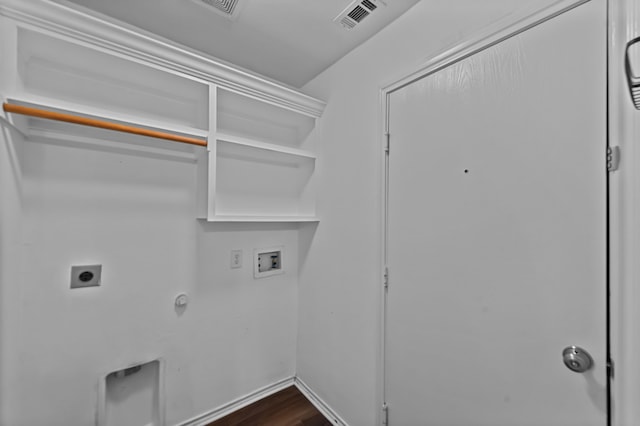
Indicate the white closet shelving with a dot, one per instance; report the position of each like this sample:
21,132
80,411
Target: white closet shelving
260,159
262,164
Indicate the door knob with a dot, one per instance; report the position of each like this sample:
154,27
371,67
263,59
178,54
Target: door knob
577,359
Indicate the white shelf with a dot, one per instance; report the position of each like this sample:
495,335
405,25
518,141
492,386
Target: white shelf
224,137
279,219
261,167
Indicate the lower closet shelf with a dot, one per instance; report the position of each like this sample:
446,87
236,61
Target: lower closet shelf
258,183
264,219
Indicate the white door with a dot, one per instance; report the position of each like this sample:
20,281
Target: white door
497,233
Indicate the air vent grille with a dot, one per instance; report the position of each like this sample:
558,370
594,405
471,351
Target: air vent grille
356,12
369,5
348,22
226,8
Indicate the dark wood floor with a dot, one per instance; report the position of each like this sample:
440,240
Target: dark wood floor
285,408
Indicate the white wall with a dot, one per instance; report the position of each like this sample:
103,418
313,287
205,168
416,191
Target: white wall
340,282
625,229
10,260
134,213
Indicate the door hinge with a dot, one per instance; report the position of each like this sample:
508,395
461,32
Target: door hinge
610,368
387,147
386,278
385,414
613,158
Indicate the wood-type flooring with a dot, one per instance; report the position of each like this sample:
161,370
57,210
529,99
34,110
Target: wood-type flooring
288,407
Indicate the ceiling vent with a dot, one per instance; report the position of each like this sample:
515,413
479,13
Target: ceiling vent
227,8
353,14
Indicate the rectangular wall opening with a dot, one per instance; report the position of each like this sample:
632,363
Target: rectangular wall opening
132,396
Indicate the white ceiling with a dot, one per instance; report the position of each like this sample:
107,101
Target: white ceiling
291,41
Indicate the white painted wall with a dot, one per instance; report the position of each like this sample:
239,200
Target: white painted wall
134,213
340,282
238,334
10,261
625,204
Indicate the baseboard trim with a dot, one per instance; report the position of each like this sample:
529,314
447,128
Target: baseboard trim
226,409
322,406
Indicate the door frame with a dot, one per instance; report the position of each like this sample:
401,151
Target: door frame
620,218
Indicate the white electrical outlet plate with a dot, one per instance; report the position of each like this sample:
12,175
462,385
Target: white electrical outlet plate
268,261
236,259
85,276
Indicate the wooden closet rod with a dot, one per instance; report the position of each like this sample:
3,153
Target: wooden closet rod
70,118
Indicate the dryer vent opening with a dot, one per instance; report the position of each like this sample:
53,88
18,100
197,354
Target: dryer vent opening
133,396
